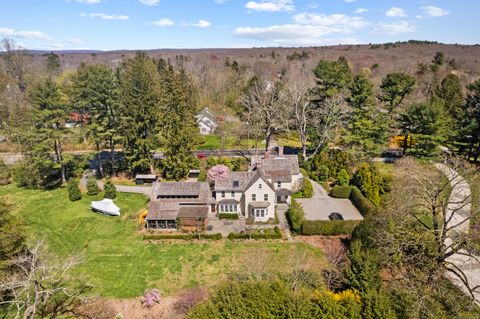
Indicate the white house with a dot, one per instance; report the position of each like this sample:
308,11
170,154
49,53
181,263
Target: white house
206,122
248,194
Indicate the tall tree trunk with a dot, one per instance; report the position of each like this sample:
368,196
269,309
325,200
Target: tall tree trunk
59,159
99,159
405,144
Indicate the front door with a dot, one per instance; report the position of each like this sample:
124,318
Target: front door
279,199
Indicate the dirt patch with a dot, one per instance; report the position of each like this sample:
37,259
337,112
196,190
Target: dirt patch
170,307
325,242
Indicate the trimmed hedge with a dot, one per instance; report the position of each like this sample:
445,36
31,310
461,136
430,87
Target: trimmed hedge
307,188
228,216
276,235
341,191
328,227
216,236
364,206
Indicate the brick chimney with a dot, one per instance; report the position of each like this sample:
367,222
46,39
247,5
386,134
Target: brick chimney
280,151
267,155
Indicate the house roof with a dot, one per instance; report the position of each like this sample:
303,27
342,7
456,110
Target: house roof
286,163
227,184
193,211
161,210
197,191
259,204
207,114
283,191
279,176
228,201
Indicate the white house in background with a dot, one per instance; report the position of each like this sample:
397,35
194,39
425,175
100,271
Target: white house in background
206,122
282,171
248,194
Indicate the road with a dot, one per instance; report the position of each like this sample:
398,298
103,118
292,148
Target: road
469,265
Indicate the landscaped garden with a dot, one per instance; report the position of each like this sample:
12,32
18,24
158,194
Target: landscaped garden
116,259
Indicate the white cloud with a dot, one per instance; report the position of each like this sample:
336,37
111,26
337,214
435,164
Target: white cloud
202,24
307,29
105,16
163,22
395,28
350,1
313,5
221,1
89,1
27,34
149,2
75,41
396,13
57,46
361,11
271,5
432,11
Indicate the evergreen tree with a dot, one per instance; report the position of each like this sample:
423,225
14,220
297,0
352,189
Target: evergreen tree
363,272
367,182
395,88
332,77
110,189
92,186
12,235
367,127
343,179
139,98
469,134
49,115
5,173
93,94
74,193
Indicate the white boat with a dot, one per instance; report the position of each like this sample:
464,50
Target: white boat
106,206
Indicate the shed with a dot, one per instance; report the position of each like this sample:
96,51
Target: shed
141,179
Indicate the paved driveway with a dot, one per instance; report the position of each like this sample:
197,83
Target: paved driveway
320,206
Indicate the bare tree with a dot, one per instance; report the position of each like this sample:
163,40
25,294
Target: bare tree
337,260
328,116
431,212
302,110
300,268
265,103
40,289
256,265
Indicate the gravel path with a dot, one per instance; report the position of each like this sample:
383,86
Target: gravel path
470,266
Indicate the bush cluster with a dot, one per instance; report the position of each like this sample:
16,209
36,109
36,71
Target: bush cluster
74,193
364,206
234,164
92,186
110,189
5,175
295,216
343,178
341,191
307,189
232,216
216,236
328,227
276,234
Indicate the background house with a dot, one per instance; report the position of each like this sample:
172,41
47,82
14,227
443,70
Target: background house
206,121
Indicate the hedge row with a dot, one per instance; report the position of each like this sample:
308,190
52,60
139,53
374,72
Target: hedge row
341,191
364,206
216,236
328,227
276,235
228,216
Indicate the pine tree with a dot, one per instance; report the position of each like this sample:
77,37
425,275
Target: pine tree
74,193
367,127
363,272
332,77
92,186
365,180
139,98
110,189
49,114
395,88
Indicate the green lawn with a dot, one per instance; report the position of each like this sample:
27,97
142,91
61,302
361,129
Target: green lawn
117,262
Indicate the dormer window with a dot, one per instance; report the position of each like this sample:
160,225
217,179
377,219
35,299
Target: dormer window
236,184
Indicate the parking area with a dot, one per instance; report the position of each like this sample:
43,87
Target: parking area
225,226
321,206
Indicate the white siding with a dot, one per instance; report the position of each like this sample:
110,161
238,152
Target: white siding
260,193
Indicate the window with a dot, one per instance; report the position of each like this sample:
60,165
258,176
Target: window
279,184
262,212
235,208
230,208
265,197
254,197
223,194
259,186
233,194
221,208
236,184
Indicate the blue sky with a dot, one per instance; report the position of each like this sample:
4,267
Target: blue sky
150,24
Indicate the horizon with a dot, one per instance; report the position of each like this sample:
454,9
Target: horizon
128,25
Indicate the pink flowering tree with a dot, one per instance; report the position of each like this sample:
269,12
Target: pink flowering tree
151,297
218,172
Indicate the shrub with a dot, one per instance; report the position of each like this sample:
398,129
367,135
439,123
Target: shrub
343,179
364,206
218,172
328,227
307,188
150,298
202,177
341,191
110,190
323,173
216,236
92,187
364,179
267,234
5,175
228,216
295,216
189,299
74,193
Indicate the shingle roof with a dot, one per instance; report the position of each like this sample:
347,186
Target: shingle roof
243,179
161,210
279,176
259,204
196,211
283,191
228,201
286,163
199,192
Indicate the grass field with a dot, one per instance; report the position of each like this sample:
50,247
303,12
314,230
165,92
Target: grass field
117,262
